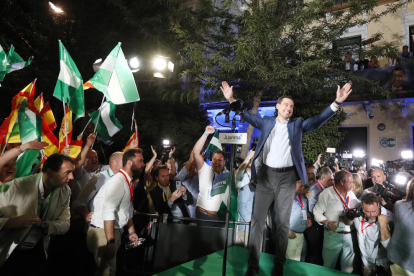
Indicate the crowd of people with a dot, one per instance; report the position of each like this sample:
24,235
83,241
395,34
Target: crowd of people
311,218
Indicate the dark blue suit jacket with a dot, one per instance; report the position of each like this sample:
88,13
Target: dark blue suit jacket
296,128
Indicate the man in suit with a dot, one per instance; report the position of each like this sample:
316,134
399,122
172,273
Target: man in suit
32,209
167,197
279,163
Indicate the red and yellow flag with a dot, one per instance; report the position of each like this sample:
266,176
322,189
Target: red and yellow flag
48,116
87,85
49,138
65,130
39,103
133,137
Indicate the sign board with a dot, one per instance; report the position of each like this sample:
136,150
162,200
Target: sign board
388,142
220,183
233,138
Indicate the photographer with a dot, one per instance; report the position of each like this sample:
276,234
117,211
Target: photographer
372,225
378,177
400,249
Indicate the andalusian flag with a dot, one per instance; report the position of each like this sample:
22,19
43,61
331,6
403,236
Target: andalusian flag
214,145
221,213
108,125
26,161
115,80
11,62
30,124
133,137
69,87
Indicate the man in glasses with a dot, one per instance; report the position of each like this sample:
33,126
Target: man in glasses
373,234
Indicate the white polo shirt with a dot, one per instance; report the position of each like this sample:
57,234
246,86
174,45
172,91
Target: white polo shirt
205,200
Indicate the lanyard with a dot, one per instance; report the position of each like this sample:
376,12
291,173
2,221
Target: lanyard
345,203
48,204
362,224
163,193
299,203
109,174
320,186
131,189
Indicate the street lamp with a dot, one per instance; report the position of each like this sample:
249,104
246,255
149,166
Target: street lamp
54,8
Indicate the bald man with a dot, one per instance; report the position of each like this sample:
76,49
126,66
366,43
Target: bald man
84,202
378,177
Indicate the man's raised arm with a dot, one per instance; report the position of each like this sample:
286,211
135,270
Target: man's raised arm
199,162
80,160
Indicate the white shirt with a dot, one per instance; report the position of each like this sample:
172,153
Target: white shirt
331,208
373,250
89,191
277,150
113,202
83,177
205,200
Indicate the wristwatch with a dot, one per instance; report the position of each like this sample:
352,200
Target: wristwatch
44,227
111,242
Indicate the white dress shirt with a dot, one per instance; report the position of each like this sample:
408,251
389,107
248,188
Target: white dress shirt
331,208
113,202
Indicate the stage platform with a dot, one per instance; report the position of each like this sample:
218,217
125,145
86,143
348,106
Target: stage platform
237,265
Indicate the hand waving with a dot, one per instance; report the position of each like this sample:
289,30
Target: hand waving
343,93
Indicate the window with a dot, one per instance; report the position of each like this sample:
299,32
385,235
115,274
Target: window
348,44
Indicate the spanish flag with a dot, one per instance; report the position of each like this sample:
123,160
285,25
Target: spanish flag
7,127
39,103
133,137
48,116
65,130
49,138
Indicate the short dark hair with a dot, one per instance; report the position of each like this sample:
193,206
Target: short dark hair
370,198
219,152
158,169
280,99
55,161
129,155
341,176
398,69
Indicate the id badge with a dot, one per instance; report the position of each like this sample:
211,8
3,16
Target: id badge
304,217
31,240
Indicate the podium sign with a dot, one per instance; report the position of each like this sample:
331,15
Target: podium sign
233,138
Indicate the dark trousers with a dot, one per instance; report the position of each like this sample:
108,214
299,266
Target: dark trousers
314,238
277,187
26,262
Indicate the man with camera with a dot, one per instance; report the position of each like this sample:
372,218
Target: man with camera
379,178
330,211
372,224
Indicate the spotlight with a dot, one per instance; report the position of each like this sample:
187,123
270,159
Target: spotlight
163,67
407,154
134,64
54,8
166,143
359,153
400,179
376,162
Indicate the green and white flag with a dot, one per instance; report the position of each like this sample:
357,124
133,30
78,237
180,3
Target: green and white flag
108,125
26,161
69,87
222,211
115,80
30,124
214,143
11,62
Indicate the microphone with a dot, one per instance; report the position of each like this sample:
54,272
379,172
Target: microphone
232,107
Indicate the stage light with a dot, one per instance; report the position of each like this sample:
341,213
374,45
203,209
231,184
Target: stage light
166,143
376,162
400,179
407,154
163,67
134,64
54,8
160,63
359,153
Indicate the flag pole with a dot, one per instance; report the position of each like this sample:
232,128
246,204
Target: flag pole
66,128
99,113
86,126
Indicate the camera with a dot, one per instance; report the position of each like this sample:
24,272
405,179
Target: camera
354,212
381,191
